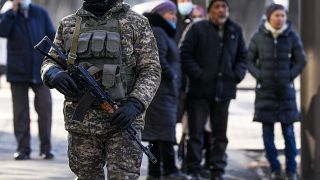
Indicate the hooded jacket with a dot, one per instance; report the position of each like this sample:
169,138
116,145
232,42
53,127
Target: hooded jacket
161,114
275,63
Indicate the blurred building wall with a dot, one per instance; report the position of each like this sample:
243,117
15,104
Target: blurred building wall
59,8
247,13
310,91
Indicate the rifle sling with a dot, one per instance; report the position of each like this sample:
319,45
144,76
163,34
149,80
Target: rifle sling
74,43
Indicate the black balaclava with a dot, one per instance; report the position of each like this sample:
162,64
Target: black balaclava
98,7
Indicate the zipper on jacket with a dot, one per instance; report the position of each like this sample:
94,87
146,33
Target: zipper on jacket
275,48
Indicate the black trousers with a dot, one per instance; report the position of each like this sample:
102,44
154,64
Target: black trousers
164,152
198,111
21,115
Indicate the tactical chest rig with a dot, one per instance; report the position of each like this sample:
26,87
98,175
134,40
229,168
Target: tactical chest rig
98,43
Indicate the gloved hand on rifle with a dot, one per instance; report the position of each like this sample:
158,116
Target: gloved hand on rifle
128,111
61,80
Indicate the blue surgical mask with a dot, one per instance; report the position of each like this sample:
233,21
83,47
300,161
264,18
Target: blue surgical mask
172,24
185,8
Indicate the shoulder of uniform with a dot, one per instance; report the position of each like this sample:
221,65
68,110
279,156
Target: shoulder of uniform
135,16
68,19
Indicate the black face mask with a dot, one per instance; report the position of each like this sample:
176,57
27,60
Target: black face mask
98,7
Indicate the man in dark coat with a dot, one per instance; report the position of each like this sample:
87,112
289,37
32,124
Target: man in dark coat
213,56
276,58
25,25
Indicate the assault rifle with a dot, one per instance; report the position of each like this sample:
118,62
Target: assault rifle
90,92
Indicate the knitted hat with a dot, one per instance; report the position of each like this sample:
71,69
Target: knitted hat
164,7
273,7
213,1
200,9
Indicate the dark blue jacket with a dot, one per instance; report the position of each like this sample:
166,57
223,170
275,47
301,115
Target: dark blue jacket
160,119
213,65
275,63
23,63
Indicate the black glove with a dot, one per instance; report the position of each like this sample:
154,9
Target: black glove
59,79
129,109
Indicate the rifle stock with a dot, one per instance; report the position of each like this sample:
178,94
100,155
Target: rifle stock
106,106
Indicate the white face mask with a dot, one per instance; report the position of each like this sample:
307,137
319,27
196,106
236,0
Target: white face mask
185,8
25,3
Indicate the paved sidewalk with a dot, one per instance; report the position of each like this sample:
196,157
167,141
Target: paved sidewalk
246,158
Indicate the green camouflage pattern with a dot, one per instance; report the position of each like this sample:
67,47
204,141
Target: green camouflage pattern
88,154
92,142
139,53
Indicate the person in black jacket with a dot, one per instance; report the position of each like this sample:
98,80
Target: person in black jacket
213,55
183,17
160,119
198,13
276,58
24,26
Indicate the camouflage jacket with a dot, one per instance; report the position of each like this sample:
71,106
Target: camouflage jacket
139,52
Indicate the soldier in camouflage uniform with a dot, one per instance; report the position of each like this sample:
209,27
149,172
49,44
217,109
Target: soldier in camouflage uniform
120,44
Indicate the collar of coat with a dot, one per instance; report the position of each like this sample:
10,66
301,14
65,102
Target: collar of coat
119,6
275,32
28,11
228,26
284,32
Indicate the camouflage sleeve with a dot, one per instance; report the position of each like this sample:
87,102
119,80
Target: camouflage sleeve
148,65
47,63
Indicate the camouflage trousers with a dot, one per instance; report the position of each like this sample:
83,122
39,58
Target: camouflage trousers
88,154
